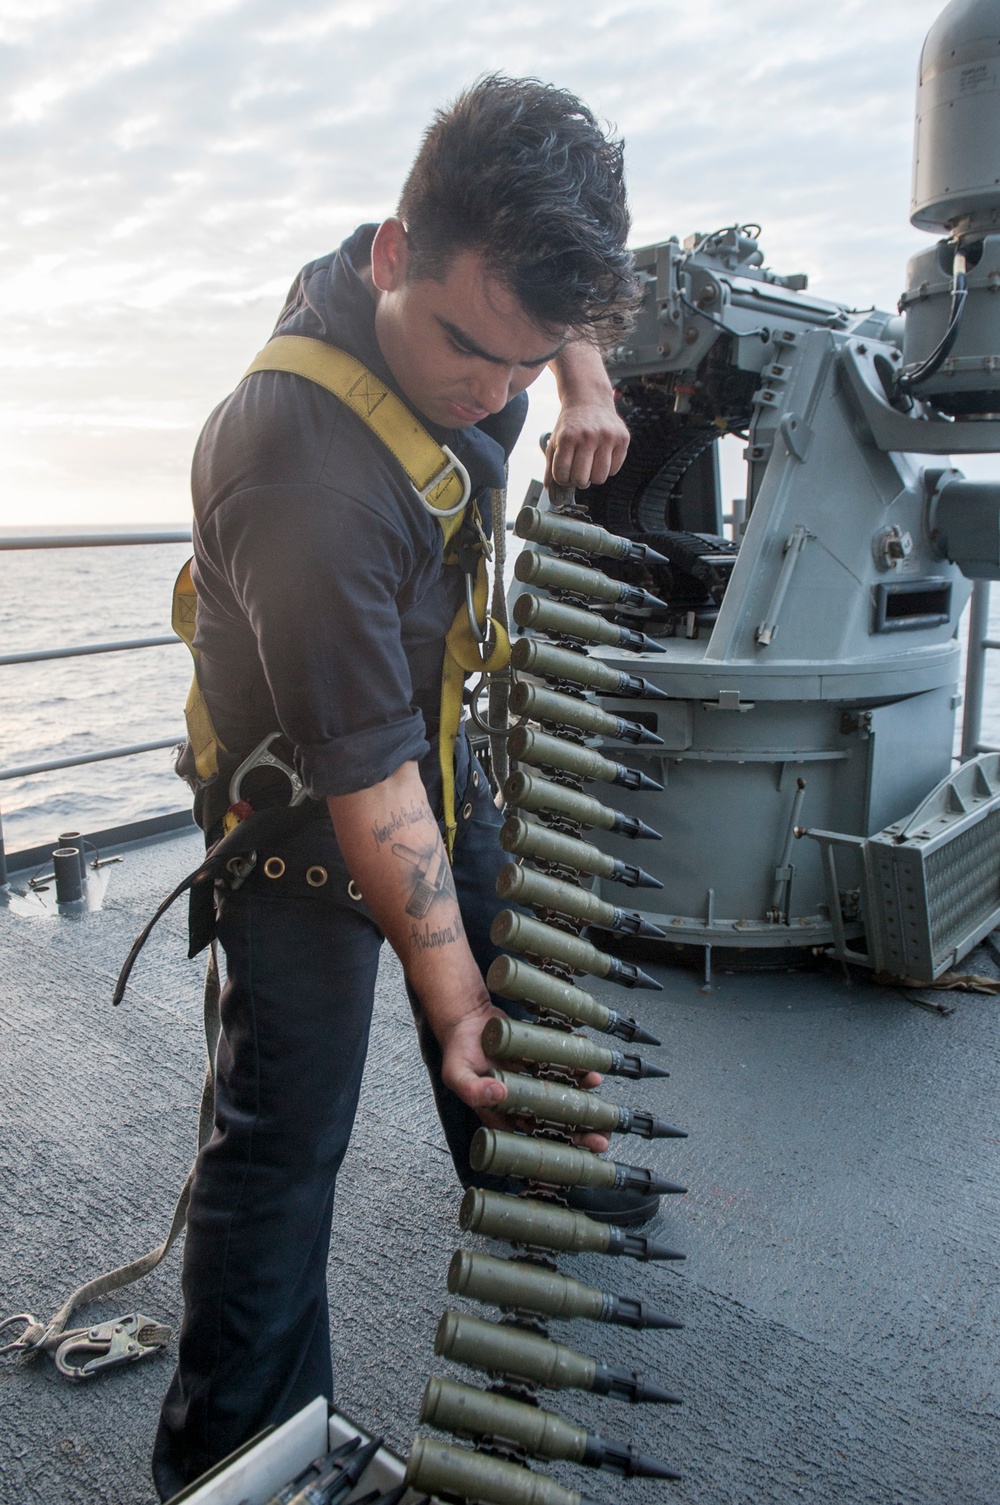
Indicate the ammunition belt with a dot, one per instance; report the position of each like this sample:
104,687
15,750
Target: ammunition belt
543,1062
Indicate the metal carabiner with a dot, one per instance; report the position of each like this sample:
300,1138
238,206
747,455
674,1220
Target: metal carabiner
124,1340
29,1339
262,758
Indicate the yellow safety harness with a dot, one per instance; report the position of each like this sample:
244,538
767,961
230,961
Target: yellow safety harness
475,642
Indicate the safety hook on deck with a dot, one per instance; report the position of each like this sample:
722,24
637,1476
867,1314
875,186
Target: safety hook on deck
124,1340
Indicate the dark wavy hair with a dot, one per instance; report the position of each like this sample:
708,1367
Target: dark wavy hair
521,171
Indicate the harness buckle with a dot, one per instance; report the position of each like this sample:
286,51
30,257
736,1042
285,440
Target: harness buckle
453,467
124,1340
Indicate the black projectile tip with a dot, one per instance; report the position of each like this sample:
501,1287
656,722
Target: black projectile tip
656,1393
636,829
639,878
631,976
646,691
643,554
650,1069
624,1028
650,931
632,1311
641,1246
625,1459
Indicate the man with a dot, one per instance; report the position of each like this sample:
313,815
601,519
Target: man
323,601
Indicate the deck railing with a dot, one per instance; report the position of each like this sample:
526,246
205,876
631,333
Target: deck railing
91,541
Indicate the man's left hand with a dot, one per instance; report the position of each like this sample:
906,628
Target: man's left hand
589,441
588,444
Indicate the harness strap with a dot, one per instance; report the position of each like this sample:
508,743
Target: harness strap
439,478
205,742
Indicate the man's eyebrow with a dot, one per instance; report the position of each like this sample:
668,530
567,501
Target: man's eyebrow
469,344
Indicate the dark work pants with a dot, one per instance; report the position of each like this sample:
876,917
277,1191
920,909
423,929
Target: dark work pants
296,1010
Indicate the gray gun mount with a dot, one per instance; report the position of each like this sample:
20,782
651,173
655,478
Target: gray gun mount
819,642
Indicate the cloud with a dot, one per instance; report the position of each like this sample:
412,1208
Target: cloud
168,166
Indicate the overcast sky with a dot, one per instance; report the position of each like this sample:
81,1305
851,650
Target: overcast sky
168,165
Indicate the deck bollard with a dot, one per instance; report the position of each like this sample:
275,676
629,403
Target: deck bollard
75,839
69,883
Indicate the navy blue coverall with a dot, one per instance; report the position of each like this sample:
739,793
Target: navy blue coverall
323,605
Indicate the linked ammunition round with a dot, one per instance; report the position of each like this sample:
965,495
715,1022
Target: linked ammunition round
513,1040
530,792
524,885
557,532
529,746
524,838
516,1286
512,978
567,710
555,1103
530,656
550,1164
517,932
467,1412
543,615
503,1350
436,1468
532,568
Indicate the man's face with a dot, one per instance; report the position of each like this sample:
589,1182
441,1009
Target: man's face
459,348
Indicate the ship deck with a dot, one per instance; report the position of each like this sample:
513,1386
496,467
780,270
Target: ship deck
840,1293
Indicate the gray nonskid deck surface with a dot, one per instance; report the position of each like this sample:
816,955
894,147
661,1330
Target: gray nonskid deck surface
840,1291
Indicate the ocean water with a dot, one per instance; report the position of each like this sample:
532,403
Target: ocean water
53,598
54,709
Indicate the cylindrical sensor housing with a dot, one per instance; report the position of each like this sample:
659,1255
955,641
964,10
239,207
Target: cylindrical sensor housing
956,149
529,746
567,710
436,1468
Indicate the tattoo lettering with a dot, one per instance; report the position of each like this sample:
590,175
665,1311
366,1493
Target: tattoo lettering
432,877
428,939
409,815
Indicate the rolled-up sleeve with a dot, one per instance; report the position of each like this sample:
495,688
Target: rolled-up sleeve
319,575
